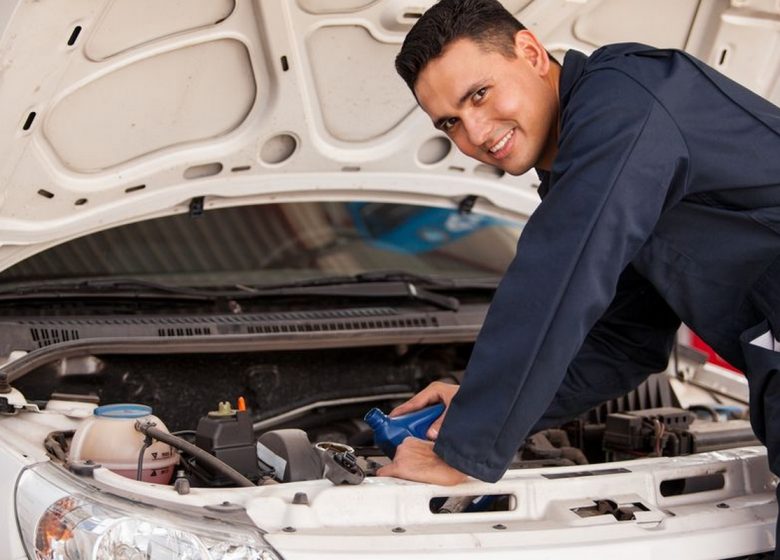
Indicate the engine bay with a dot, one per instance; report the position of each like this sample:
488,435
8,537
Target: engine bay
245,419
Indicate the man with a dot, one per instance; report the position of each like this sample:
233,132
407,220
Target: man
661,203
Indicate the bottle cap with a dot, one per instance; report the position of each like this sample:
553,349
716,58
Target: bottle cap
123,410
374,418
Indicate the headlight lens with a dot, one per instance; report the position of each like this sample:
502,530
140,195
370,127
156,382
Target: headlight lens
58,524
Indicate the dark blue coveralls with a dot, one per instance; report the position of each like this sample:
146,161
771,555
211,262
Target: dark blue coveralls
663,204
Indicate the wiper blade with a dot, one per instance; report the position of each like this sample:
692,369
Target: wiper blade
382,283
108,288
385,276
353,287
433,282
344,286
402,276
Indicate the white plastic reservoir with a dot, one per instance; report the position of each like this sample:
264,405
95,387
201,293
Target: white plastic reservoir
109,437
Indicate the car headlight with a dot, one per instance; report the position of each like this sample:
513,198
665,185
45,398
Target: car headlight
63,519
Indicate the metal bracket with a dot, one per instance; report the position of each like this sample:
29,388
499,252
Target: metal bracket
466,205
196,207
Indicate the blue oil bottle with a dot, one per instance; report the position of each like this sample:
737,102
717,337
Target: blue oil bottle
390,432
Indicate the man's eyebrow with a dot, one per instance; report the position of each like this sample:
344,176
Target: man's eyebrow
438,123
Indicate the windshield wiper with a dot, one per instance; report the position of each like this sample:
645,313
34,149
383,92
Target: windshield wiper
392,284
368,285
123,287
421,280
383,283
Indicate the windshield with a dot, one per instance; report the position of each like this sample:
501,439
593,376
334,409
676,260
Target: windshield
273,243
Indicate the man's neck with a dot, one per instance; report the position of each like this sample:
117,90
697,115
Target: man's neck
550,149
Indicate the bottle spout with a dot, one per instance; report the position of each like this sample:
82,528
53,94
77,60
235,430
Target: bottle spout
375,418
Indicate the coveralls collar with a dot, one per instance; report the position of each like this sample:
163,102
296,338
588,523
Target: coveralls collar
572,69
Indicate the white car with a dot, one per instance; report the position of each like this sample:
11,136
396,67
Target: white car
202,200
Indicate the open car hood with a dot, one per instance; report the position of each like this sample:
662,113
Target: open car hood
113,111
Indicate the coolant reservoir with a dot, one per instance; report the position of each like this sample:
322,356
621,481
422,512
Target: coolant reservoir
109,437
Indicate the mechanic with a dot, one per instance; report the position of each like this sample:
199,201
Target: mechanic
660,186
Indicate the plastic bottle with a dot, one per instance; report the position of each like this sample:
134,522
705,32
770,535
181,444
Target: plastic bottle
390,432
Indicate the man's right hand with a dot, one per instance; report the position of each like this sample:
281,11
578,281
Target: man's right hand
415,460
436,392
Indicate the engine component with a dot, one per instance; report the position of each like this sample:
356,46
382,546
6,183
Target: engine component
198,454
182,483
390,432
109,437
290,455
648,431
339,463
711,436
671,432
553,444
228,435
292,458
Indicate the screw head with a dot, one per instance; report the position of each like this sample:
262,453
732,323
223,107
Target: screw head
499,526
723,505
289,529
399,530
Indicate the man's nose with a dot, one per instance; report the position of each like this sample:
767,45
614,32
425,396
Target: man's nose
476,129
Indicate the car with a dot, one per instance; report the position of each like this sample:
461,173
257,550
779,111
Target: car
227,233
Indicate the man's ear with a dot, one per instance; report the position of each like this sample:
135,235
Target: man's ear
528,47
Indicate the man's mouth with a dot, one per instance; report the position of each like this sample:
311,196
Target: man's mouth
498,148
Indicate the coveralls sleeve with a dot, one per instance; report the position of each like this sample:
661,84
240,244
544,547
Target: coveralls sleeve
619,158
632,340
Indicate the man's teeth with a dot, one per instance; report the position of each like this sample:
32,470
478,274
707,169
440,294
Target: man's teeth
502,142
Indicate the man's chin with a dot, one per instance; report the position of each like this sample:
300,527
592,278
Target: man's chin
507,164
513,168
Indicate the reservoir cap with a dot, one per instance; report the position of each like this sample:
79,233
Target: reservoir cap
123,410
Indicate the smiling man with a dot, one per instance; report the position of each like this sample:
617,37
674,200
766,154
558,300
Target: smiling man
508,129
660,203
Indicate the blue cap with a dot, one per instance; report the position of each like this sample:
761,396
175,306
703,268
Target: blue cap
374,418
123,410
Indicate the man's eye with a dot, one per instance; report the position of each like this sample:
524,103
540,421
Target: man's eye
448,124
479,94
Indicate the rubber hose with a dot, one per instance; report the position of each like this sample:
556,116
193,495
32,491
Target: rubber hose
199,454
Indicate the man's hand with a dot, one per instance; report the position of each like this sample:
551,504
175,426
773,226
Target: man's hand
415,460
436,392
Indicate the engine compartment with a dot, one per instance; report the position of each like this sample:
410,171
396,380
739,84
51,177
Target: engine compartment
297,422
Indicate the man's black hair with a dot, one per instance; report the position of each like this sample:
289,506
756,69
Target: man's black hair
486,22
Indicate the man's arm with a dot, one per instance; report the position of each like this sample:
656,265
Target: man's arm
632,340
619,156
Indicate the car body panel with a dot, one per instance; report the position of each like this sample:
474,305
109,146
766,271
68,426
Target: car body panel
240,101
118,111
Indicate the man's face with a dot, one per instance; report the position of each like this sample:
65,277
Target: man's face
501,111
